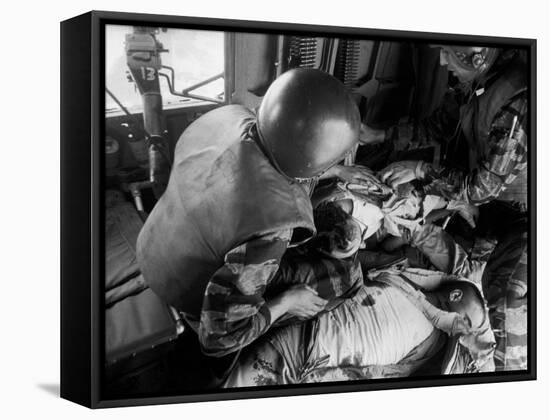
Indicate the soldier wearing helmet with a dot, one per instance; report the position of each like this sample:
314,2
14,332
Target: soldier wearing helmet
485,145
484,155
237,198
467,63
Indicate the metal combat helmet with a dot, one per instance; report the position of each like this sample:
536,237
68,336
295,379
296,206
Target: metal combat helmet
307,122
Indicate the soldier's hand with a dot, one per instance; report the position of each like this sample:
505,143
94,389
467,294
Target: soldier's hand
354,174
303,302
460,327
467,211
369,135
401,172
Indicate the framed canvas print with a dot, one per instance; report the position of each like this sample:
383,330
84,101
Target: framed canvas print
255,209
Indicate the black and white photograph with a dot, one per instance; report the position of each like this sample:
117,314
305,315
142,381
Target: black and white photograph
243,210
298,208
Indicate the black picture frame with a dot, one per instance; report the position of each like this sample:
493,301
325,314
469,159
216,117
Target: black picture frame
82,204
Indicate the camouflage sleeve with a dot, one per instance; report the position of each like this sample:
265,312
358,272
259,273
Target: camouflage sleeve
234,312
429,131
506,158
445,254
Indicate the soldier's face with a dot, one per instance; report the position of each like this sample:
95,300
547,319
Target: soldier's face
352,246
465,302
447,58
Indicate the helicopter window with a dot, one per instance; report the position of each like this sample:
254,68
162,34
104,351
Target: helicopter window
192,68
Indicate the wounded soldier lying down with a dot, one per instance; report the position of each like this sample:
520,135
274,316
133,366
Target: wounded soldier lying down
378,212
395,324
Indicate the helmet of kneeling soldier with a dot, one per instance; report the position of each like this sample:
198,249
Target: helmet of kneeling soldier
307,122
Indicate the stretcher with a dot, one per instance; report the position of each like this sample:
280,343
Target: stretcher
139,327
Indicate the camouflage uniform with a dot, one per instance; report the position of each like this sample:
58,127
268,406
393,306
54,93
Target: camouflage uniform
505,161
482,132
485,158
234,312
214,242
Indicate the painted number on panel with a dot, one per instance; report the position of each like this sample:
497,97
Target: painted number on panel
148,73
